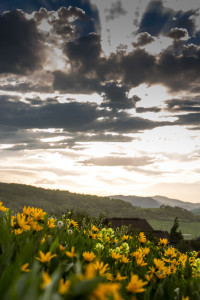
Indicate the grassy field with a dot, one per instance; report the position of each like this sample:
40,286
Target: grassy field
192,228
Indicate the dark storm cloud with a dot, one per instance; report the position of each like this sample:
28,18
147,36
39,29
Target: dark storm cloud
71,21
115,11
137,67
181,105
156,18
189,119
186,20
159,19
118,161
147,109
21,49
177,33
176,72
113,76
74,83
115,96
72,117
143,39
85,52
29,6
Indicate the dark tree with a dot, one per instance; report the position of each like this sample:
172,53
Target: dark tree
175,233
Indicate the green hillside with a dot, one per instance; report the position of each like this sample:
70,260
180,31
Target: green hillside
16,196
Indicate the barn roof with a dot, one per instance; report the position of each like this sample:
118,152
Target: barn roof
135,223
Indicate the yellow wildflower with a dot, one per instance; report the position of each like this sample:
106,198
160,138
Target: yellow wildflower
109,276
88,256
163,242
18,231
115,240
100,267
136,285
38,214
192,261
116,255
140,261
74,224
72,253
148,277
185,298
125,237
61,247
42,240
162,269
125,259
12,222
170,252
46,280
152,270
106,290
24,268
119,277
3,208
142,237
22,222
63,286
27,210
90,272
51,223
94,228
145,250
36,226
44,258
93,235
159,263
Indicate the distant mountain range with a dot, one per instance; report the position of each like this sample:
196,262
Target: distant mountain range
157,201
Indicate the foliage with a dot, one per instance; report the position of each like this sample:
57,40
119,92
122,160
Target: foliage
175,233
45,258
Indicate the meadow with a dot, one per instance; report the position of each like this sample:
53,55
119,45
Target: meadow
191,228
42,257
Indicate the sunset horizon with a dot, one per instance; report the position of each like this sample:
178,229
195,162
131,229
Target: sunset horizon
101,97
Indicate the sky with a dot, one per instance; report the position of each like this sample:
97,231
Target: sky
101,96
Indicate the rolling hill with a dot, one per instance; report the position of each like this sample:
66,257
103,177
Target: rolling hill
58,202
157,201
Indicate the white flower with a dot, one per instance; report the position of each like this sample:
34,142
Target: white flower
59,224
69,231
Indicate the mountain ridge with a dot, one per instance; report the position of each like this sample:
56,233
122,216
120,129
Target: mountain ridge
156,201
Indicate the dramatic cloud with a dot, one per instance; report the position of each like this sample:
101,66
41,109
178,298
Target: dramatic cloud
21,50
184,105
83,81
147,109
115,96
156,19
177,33
72,116
143,39
85,52
189,119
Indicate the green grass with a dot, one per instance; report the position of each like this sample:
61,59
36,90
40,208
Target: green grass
192,228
